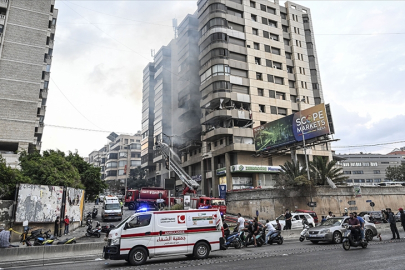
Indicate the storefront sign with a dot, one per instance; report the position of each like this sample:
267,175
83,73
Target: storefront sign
222,191
254,169
221,171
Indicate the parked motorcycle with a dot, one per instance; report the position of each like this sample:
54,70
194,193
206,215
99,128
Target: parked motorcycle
44,239
88,216
349,240
67,241
94,213
304,232
93,232
250,241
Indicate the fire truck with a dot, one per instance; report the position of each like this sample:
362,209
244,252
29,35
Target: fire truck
133,198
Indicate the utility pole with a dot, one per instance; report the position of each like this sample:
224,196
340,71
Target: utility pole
305,149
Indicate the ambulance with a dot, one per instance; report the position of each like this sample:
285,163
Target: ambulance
163,233
111,208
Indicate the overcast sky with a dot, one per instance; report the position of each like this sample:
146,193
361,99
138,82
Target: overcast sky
102,47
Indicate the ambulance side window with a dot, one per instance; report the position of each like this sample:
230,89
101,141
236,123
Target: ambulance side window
140,221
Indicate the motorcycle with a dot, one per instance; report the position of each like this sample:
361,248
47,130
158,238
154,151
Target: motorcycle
250,241
94,213
275,237
304,232
44,239
233,240
350,241
88,216
93,232
67,241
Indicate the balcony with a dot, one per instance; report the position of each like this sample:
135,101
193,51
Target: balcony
212,100
2,18
213,117
3,3
41,111
48,59
218,133
39,129
43,93
46,75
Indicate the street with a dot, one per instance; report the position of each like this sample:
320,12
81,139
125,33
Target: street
385,255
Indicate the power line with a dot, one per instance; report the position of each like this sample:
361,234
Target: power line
72,104
367,145
86,129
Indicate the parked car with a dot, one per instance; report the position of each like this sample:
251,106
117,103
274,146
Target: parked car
296,222
376,215
311,213
332,230
398,217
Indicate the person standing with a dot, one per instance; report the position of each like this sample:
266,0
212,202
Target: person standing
241,222
401,211
97,200
67,222
57,226
393,224
330,215
288,218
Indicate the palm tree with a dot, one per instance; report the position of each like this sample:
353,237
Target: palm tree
292,170
321,169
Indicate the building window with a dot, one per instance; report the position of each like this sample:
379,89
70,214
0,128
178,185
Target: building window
357,172
221,141
262,108
376,171
278,80
277,65
267,48
287,55
273,110
255,31
256,46
260,92
266,34
268,63
122,163
262,7
254,17
273,23
282,111
271,10
285,28
215,144
373,164
293,98
275,51
270,78
289,69
384,162
259,76
272,93
377,180
366,164
252,4
347,172
262,123
286,42
214,71
280,95
257,61
274,37
283,16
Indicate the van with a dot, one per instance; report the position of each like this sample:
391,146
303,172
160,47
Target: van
311,213
111,208
163,233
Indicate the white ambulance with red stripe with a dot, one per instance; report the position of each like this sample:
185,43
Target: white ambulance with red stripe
161,233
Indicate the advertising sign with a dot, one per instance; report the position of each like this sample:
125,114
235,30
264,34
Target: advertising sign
255,168
312,122
222,191
357,191
74,203
201,219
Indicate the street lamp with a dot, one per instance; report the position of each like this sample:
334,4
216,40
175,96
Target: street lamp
305,149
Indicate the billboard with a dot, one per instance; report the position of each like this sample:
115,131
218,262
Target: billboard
37,203
313,122
74,203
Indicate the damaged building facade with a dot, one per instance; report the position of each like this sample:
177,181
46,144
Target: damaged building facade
234,65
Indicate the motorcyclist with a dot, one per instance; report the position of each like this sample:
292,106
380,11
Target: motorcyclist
227,232
304,222
270,228
362,223
355,225
250,230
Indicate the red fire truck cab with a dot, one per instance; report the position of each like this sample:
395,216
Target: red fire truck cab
133,198
209,202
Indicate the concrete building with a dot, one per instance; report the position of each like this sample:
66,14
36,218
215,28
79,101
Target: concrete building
27,31
117,158
255,58
367,169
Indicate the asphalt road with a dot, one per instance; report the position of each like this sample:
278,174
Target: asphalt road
378,255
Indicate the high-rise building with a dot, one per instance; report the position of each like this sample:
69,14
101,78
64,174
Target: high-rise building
27,31
118,157
255,60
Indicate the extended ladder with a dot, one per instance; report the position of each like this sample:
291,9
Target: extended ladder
176,167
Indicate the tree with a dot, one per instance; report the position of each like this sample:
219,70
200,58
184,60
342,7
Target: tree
90,176
9,178
396,173
292,174
51,168
136,179
321,169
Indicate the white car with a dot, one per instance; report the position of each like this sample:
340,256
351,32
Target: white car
296,221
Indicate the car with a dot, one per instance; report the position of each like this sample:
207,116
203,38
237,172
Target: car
398,217
332,230
101,197
296,222
311,213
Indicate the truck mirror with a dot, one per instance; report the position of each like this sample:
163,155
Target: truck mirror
126,226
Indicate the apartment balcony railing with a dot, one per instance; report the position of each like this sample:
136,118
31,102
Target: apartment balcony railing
48,59
43,93
41,111
46,75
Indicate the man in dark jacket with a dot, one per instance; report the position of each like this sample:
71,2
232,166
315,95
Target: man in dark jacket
402,217
393,224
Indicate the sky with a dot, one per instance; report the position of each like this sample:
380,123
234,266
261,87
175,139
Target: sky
102,47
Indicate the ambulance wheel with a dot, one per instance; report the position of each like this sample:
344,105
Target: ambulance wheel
131,206
138,256
201,250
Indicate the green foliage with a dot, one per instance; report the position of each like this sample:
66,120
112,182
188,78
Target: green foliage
396,173
293,174
9,178
136,179
177,207
322,169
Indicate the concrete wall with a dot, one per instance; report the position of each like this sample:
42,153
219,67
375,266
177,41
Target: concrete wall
272,202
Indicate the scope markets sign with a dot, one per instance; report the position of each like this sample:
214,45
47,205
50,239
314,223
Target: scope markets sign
312,122
254,168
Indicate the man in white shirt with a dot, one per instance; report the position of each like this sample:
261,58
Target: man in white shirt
270,229
330,215
367,217
241,222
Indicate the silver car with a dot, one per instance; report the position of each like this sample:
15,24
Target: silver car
332,230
